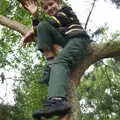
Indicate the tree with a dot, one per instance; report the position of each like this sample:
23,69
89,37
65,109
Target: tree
97,51
4,112
11,112
117,2
100,93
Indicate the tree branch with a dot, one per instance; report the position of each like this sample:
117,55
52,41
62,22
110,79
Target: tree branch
93,4
12,24
96,52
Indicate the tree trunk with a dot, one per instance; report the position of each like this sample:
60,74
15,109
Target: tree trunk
96,52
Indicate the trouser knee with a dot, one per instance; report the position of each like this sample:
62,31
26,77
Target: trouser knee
62,61
42,26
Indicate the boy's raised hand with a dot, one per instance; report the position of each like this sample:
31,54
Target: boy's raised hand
30,5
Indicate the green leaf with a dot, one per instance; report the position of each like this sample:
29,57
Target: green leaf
4,4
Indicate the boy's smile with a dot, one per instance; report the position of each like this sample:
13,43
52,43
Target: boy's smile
51,7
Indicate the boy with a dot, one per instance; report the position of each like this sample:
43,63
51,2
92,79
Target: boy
62,28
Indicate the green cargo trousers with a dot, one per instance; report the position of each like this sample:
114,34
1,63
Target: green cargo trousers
75,50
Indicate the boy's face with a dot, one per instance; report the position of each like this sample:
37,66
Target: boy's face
51,6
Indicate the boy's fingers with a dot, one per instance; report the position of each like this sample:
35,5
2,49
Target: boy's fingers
34,1
24,44
25,3
26,6
31,1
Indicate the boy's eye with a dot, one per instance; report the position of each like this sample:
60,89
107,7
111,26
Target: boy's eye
45,8
50,4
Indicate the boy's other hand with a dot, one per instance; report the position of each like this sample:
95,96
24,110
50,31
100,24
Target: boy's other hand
29,37
31,6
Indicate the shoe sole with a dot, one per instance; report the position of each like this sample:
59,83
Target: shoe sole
61,112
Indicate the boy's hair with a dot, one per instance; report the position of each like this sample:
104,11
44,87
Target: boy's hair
42,1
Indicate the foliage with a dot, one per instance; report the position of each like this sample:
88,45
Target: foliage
9,112
4,112
100,92
117,2
3,6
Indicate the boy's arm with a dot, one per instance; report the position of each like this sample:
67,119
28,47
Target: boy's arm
67,16
29,37
31,6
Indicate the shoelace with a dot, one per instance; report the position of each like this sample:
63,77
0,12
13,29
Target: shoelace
52,103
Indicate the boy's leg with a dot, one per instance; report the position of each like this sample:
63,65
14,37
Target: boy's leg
74,52
46,37
57,48
52,53
71,55
49,56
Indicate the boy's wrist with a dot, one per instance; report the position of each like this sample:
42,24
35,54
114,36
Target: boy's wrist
35,14
35,21
34,17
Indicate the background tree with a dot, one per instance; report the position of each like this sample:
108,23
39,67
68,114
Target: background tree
117,2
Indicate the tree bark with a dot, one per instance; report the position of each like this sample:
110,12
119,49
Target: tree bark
12,24
96,52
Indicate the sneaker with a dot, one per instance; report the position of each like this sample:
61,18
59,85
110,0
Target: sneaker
53,108
46,76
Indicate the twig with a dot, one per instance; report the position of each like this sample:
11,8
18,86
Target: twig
2,100
88,18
